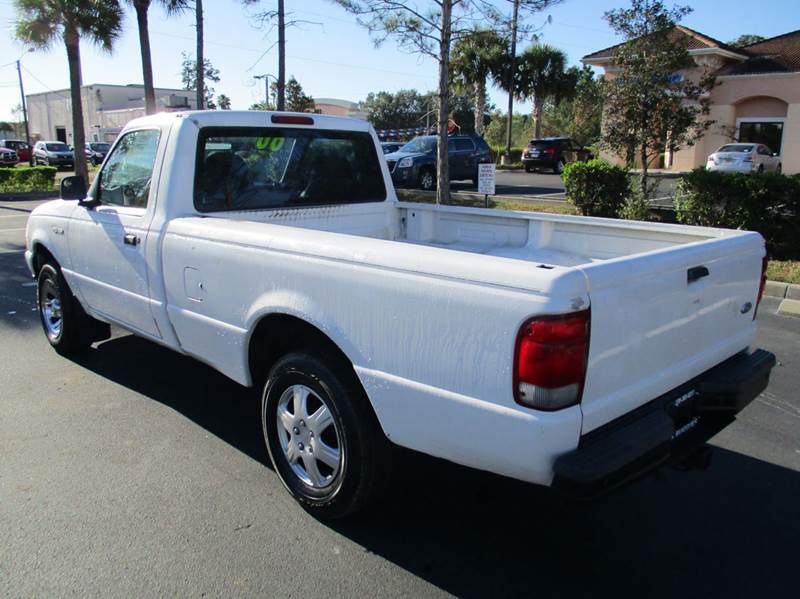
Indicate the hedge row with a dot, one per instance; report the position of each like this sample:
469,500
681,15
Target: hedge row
37,178
767,203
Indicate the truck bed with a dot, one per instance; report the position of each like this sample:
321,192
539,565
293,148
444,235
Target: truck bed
651,329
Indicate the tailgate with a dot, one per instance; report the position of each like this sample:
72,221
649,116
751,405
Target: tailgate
662,318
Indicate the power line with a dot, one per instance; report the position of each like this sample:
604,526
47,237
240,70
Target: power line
42,83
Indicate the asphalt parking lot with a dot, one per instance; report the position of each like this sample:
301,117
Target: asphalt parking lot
133,471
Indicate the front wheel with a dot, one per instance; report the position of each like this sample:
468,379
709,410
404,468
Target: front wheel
779,169
427,180
323,439
65,325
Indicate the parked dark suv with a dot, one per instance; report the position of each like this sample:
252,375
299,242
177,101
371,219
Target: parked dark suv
414,165
553,153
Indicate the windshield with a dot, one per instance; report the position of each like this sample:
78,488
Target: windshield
251,168
420,145
57,147
744,148
100,147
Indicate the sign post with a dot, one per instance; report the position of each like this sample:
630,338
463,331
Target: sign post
486,180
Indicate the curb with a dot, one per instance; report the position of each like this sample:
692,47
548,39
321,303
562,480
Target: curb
27,196
788,293
789,307
782,290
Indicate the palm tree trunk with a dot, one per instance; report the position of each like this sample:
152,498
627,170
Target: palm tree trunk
442,162
201,62
537,117
141,7
281,102
72,42
480,105
510,82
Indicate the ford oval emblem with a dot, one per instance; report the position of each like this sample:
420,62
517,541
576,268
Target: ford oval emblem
746,307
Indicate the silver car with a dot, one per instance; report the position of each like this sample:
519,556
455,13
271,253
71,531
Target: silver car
744,158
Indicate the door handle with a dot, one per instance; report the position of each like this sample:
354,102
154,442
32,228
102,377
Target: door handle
130,239
695,273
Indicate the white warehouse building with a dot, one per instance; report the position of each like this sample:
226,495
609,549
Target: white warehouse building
106,110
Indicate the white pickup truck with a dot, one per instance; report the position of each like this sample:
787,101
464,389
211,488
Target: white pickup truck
564,351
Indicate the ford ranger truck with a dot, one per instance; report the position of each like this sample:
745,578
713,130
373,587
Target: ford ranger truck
565,351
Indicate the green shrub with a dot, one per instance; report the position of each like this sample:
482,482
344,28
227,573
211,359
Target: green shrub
596,188
767,203
37,178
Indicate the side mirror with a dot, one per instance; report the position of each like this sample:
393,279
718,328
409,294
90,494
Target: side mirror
73,188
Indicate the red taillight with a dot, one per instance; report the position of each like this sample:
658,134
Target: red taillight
762,285
549,151
550,361
291,119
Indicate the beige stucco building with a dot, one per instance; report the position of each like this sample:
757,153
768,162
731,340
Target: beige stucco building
106,110
757,99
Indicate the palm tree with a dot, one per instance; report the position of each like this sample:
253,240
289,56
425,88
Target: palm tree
42,23
141,7
541,76
474,58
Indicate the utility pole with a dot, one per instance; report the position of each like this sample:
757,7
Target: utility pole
511,73
281,57
25,115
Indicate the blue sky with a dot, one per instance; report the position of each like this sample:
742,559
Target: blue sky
336,57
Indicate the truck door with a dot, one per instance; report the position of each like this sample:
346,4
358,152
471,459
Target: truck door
107,243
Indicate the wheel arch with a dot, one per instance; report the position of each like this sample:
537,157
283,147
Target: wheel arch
41,254
277,333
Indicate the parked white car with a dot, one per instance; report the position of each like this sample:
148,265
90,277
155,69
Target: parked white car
744,158
560,350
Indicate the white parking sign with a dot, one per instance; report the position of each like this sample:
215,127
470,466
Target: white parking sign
486,179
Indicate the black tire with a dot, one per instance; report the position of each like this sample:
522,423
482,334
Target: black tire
760,169
559,167
779,169
66,326
427,179
528,168
355,432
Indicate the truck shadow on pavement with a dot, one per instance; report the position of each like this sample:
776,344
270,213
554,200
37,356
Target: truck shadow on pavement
732,530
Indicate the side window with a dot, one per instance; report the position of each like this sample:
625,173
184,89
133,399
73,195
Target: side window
125,178
464,144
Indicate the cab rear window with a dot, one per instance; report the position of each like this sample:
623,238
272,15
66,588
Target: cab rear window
253,168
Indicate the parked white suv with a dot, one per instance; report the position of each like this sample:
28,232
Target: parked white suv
744,158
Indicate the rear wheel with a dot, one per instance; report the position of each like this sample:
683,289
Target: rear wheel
528,168
323,439
559,167
760,169
67,327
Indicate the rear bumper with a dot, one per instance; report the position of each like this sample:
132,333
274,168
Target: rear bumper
670,428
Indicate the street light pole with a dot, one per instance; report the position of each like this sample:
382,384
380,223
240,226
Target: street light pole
25,115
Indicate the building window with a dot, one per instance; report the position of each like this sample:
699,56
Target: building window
768,133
